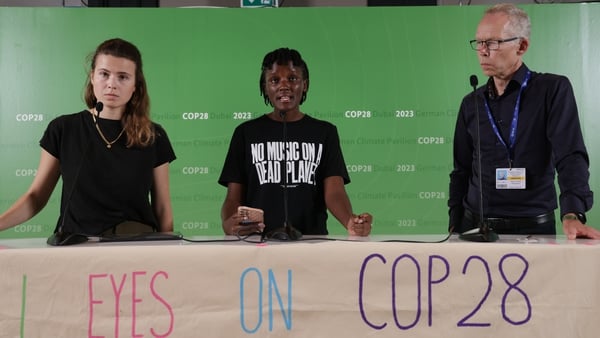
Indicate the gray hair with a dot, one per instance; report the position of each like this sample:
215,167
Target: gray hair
520,25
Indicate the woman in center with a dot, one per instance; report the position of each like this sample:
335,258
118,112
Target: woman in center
287,163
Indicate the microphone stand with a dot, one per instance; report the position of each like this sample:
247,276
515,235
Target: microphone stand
483,232
287,232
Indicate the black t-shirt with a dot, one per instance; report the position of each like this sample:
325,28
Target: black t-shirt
102,186
255,158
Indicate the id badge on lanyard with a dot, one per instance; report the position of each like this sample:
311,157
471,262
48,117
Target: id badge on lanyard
509,178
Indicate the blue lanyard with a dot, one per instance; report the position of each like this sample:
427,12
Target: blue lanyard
513,125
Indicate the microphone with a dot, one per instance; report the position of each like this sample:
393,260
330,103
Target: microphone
483,232
61,237
100,106
287,232
472,79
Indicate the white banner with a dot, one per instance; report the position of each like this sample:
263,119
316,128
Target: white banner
304,289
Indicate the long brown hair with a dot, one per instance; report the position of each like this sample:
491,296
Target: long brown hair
136,118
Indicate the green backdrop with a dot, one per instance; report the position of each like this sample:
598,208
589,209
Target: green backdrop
391,79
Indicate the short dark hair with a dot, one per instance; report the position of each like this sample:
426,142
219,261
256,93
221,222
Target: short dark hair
282,56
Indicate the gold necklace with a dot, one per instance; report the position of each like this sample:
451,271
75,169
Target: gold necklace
108,144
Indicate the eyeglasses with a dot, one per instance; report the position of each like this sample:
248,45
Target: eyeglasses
489,44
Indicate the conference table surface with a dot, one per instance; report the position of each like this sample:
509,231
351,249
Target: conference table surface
381,285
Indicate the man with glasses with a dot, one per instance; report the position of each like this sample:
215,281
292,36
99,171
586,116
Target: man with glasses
512,134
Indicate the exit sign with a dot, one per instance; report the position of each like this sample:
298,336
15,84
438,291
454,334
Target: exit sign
259,3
